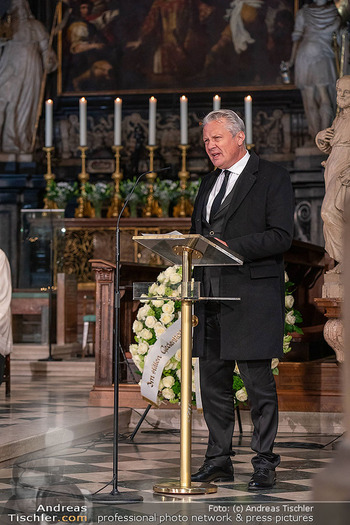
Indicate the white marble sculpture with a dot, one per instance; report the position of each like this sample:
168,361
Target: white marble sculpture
22,63
335,141
314,60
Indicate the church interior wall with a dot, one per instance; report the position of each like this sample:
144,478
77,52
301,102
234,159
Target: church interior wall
279,132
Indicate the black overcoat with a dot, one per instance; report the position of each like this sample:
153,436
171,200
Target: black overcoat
258,225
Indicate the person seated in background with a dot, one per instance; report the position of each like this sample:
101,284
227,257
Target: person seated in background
5,312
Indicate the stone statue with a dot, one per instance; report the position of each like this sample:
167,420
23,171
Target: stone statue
335,141
22,63
314,58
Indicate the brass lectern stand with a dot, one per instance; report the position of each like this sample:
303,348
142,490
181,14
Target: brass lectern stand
188,251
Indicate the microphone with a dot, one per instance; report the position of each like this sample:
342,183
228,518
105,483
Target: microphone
128,197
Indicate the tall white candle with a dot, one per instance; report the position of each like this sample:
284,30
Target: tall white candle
48,123
248,101
118,122
216,103
183,120
152,121
83,121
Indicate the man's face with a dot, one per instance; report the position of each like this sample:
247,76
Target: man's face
343,93
223,149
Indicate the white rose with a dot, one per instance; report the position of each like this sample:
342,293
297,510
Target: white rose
193,386
159,329
236,370
175,278
158,303
161,385
290,318
274,362
168,308
289,301
167,393
161,290
137,326
169,365
150,321
175,293
178,355
286,343
143,348
241,395
145,334
161,277
143,312
286,278
166,318
138,362
153,289
169,271
134,349
178,373
168,381
144,298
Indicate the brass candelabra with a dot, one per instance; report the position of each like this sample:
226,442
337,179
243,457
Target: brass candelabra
84,208
49,176
152,208
116,204
183,208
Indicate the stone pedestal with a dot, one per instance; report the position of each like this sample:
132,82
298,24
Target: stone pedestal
331,302
333,329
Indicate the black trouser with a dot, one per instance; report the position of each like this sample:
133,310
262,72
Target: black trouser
217,397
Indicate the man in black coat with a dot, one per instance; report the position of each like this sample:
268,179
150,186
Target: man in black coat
247,203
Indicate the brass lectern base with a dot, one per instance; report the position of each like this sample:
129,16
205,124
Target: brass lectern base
173,486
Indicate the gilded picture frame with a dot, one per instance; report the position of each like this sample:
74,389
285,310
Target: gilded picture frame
155,46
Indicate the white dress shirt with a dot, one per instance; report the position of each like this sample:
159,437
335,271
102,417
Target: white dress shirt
235,170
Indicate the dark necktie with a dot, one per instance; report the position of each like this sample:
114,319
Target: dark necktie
217,201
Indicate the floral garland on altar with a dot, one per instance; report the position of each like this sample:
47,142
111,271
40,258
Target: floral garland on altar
156,315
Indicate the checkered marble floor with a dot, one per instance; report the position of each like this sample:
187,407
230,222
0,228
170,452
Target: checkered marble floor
73,472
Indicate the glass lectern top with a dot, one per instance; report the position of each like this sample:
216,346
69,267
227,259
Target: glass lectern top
206,252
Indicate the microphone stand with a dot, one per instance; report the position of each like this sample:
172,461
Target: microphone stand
115,496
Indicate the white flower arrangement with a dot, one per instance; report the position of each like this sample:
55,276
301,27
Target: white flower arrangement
156,315
153,318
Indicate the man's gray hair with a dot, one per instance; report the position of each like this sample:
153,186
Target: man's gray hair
228,117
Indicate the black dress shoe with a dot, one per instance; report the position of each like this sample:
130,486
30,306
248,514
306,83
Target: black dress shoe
209,472
262,479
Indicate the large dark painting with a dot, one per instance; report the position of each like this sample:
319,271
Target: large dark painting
121,46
